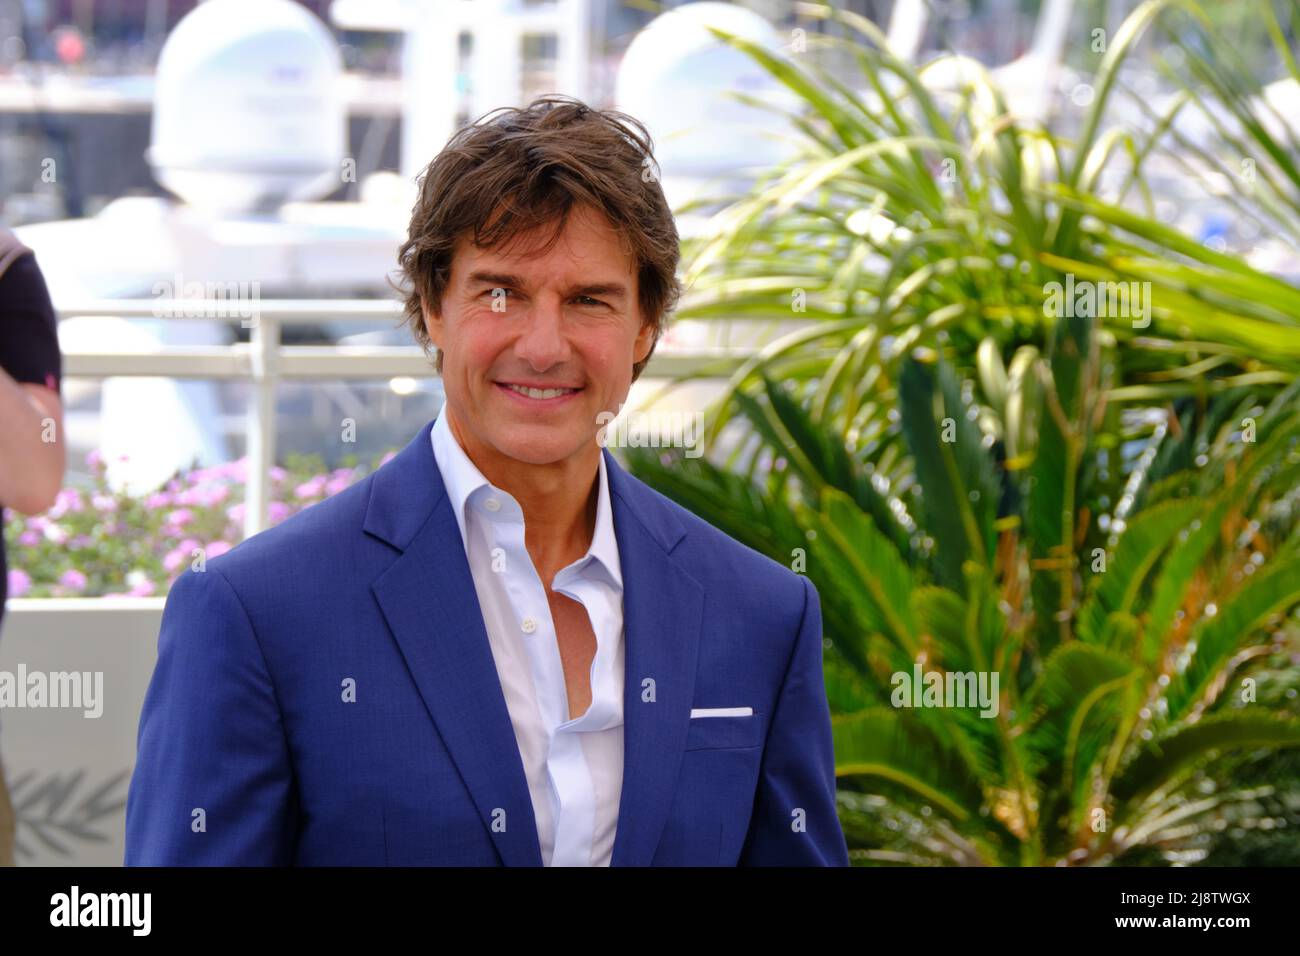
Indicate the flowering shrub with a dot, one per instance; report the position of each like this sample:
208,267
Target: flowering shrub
96,542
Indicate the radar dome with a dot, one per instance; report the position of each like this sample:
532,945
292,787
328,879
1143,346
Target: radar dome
676,77
248,111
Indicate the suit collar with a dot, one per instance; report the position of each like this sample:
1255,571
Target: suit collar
428,598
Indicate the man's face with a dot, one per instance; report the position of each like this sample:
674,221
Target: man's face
564,319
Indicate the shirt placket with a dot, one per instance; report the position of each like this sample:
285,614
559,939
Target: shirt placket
572,792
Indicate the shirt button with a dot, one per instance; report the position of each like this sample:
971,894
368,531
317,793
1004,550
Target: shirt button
492,505
528,625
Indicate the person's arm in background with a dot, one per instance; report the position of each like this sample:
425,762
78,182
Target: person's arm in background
33,450
795,822
31,467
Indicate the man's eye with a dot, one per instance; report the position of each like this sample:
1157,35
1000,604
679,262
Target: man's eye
590,300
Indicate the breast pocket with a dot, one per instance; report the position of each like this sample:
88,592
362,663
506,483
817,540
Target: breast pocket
725,733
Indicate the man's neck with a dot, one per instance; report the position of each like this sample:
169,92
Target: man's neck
559,500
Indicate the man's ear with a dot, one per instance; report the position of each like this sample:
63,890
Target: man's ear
432,322
645,340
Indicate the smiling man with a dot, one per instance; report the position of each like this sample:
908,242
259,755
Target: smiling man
500,648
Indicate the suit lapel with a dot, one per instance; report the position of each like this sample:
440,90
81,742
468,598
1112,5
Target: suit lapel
427,596
662,611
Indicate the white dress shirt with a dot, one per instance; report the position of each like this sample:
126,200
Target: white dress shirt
574,767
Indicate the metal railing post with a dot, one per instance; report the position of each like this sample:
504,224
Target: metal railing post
264,353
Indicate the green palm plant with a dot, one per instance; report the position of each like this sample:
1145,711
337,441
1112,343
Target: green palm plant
1136,656
911,217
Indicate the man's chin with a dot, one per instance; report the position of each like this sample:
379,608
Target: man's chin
537,444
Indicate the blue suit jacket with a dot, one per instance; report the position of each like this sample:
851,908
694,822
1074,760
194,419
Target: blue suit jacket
248,752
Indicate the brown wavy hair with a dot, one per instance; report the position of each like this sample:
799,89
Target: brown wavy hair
514,170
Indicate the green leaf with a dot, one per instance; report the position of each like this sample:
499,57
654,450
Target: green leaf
1050,511
1074,711
893,745
961,489
1269,592
1161,760
1146,538
857,558
823,460
1175,577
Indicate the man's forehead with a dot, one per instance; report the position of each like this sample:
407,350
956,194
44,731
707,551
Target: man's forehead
527,257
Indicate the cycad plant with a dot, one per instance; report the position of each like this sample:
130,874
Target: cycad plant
1097,509
1133,660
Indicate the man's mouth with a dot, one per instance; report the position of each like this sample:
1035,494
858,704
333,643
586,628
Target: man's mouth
537,394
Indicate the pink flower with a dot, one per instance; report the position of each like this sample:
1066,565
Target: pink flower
29,539
180,517
56,534
213,495
73,579
157,500
141,586
68,499
175,558
278,474
81,541
19,583
276,512
338,484
94,459
104,503
310,488
187,496
235,512
387,458
217,548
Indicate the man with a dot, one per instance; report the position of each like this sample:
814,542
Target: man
500,648
32,450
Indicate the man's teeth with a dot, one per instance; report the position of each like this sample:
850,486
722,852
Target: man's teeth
540,392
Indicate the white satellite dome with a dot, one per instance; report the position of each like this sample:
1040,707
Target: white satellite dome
675,78
248,111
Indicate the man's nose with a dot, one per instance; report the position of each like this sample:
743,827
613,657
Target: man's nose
542,342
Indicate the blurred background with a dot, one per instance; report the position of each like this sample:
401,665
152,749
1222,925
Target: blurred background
875,198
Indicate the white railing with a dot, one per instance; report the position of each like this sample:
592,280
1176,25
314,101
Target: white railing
264,362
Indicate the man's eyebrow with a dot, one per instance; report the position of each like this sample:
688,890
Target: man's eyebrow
612,290
482,277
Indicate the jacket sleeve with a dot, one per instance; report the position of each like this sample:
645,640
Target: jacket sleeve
213,782
794,822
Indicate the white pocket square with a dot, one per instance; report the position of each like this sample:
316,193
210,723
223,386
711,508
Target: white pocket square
722,712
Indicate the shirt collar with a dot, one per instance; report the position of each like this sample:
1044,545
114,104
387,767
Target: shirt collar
463,480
